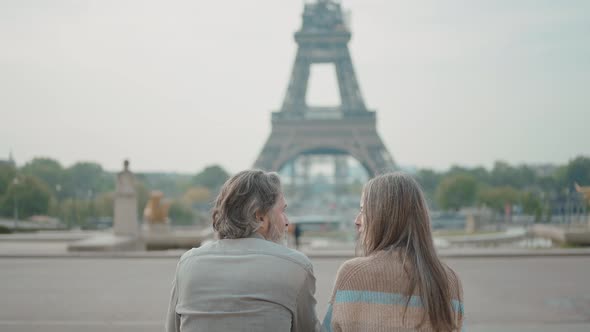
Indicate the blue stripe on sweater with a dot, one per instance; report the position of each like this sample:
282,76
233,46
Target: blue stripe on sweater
327,324
348,296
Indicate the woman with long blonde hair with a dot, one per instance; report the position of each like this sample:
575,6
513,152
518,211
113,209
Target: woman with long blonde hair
399,284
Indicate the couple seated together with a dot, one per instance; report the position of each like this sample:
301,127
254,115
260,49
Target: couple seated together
247,281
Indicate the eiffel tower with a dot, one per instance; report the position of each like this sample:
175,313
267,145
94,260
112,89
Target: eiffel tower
299,129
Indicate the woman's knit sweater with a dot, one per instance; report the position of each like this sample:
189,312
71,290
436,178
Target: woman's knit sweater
370,294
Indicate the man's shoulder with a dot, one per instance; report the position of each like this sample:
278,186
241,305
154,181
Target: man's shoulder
292,254
197,250
251,246
283,253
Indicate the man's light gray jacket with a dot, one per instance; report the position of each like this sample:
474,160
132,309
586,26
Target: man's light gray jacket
248,284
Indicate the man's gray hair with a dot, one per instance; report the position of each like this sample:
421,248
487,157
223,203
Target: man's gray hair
244,194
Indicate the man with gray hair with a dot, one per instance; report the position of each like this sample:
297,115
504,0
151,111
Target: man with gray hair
245,280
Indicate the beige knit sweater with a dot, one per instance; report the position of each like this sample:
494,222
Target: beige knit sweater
370,294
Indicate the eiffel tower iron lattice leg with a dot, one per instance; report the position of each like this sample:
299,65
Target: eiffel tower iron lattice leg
299,129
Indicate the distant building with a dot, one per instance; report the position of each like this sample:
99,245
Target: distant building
544,170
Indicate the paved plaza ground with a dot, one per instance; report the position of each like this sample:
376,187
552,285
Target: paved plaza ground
131,294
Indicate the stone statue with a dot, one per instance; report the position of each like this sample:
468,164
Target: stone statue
125,180
125,221
156,211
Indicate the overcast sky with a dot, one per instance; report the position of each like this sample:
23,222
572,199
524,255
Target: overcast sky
178,85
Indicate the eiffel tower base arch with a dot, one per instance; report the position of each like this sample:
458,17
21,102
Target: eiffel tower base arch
356,138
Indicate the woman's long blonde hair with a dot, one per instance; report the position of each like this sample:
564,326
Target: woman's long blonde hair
396,217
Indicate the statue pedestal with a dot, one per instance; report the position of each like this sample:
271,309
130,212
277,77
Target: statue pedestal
164,237
108,242
470,224
126,235
158,228
125,219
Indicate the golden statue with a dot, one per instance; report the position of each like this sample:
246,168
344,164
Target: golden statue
583,190
156,211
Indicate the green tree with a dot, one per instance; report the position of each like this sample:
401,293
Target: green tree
577,170
46,169
497,197
429,181
196,196
548,183
480,174
85,179
143,195
172,185
532,205
7,175
180,213
104,204
504,174
30,195
456,191
212,177
75,212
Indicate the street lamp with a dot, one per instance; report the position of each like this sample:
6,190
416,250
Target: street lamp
58,192
15,182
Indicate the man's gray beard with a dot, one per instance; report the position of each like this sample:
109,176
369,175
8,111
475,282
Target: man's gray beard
275,235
